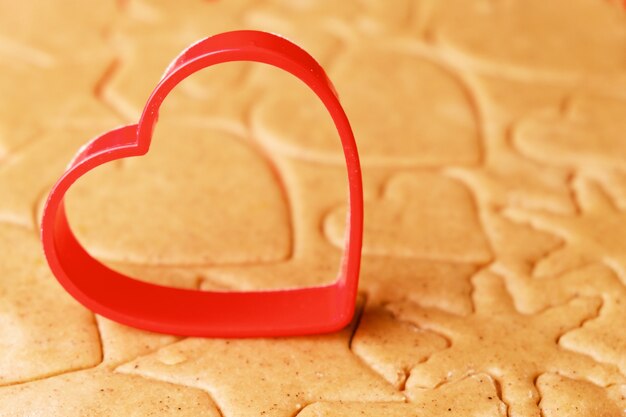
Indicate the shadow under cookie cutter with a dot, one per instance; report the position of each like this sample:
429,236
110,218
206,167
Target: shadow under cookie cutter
207,313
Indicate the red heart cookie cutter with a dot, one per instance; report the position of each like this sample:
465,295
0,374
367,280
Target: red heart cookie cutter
207,313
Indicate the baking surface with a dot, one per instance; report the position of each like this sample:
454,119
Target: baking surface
491,135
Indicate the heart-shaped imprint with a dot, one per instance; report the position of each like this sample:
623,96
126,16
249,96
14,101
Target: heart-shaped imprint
199,197
419,216
429,121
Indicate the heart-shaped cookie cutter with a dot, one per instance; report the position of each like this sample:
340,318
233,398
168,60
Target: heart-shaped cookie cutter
207,313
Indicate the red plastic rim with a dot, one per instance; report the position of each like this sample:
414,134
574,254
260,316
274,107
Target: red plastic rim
207,313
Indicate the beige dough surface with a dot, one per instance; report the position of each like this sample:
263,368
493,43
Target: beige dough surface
491,139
